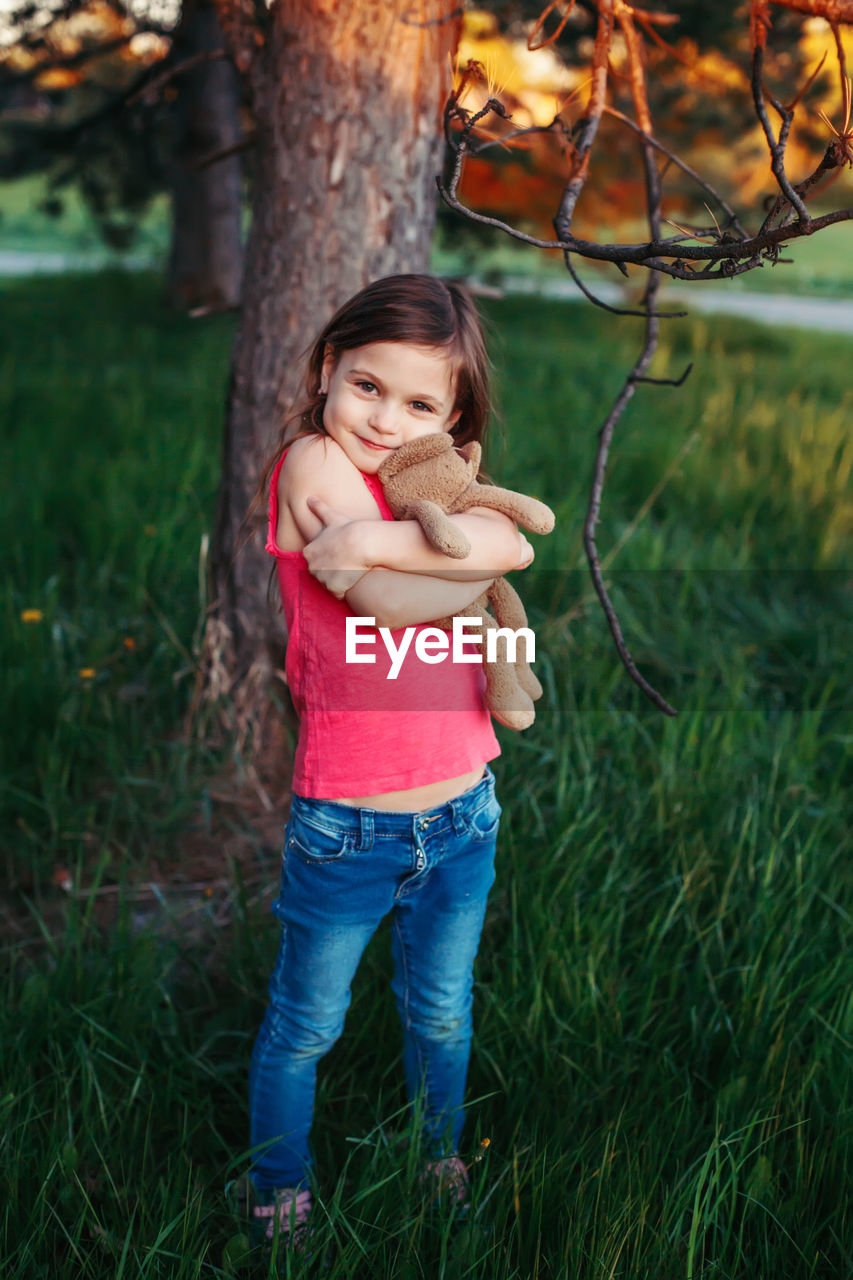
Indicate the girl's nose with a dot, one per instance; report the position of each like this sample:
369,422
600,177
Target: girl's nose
383,419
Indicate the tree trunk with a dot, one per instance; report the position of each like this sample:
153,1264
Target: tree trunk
206,260
347,98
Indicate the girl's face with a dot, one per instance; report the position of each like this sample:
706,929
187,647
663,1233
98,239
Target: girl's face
382,395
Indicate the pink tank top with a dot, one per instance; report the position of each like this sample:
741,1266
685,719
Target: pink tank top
361,733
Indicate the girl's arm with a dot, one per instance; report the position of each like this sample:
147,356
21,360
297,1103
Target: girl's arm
348,547
317,468
397,599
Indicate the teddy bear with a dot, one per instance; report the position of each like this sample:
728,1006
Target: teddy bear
428,480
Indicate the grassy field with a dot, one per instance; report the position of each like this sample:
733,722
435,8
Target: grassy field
664,1017
25,226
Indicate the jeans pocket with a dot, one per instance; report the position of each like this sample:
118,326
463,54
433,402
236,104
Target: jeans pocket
314,843
484,823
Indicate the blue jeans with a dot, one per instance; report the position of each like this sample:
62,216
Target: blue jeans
343,870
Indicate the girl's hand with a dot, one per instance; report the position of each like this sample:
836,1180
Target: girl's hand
526,552
334,557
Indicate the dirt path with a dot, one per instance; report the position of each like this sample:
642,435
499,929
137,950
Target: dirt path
829,314
23,262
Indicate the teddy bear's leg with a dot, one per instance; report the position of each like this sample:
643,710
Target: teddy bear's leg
509,611
506,698
439,531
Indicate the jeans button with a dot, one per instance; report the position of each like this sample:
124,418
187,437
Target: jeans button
424,823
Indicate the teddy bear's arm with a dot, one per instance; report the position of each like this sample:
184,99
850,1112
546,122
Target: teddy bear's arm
530,513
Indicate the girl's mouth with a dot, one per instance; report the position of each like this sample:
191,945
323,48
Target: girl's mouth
381,448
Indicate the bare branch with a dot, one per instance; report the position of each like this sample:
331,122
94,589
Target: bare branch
149,91
486,144
713,253
667,382
842,61
540,23
614,311
832,10
795,101
214,157
599,470
747,252
589,126
777,149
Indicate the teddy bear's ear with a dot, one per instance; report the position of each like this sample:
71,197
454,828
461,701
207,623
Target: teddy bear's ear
418,450
472,452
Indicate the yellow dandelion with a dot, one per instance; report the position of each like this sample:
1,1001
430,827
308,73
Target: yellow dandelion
87,673
31,615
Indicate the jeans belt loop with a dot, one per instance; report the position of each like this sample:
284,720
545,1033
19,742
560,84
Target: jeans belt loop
366,838
459,823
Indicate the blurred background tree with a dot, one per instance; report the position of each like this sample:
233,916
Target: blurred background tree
89,97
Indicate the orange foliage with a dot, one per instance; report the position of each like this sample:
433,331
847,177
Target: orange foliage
513,192
59,78
528,191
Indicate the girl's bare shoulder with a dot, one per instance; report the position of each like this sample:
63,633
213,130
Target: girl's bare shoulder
317,466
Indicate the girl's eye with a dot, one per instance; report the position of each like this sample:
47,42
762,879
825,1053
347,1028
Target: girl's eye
366,386
419,404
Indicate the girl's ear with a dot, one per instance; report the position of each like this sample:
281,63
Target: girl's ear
453,419
327,369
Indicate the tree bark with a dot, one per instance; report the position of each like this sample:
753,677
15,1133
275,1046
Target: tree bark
347,98
206,259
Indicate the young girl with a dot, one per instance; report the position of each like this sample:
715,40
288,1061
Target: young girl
394,807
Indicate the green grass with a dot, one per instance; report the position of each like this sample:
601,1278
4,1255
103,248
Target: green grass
25,226
664,1020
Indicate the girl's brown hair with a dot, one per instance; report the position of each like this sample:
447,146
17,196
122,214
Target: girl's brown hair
420,310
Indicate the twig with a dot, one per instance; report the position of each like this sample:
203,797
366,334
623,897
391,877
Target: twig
729,251
647,254
540,24
149,90
214,157
666,382
734,221
605,306
599,470
589,126
801,93
777,149
839,49
487,143
653,203
832,10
